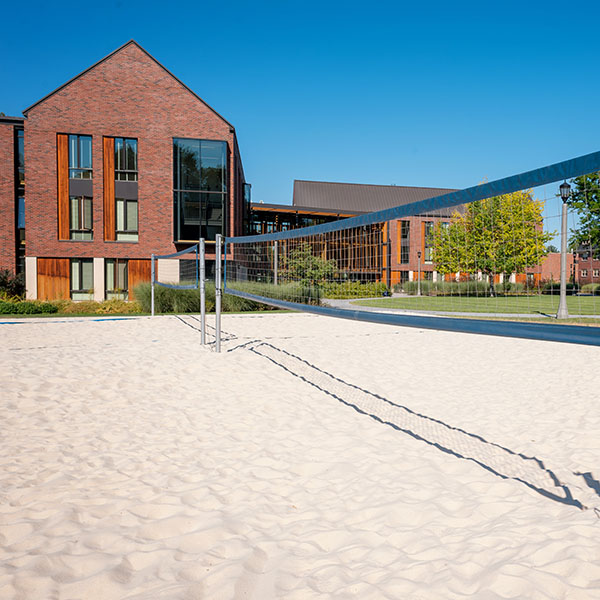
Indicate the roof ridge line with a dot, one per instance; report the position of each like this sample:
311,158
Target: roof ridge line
122,47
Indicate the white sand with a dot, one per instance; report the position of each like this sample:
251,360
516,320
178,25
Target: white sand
313,458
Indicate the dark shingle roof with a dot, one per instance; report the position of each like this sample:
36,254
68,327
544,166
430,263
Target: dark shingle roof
362,198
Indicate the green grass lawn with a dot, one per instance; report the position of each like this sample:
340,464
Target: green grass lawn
577,305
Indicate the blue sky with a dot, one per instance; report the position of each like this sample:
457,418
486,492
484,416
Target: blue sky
426,94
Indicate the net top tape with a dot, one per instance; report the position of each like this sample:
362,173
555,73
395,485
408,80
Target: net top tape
582,165
193,248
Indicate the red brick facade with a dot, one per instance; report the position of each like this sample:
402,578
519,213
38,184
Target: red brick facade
128,94
7,197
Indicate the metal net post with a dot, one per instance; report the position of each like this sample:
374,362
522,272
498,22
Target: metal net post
202,293
218,292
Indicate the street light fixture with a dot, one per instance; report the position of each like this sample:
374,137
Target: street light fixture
563,313
419,274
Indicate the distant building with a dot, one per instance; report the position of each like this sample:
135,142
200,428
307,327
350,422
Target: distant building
316,202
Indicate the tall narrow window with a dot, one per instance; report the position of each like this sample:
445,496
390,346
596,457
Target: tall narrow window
127,220
200,188
80,157
126,168
428,242
82,278
404,242
116,279
80,218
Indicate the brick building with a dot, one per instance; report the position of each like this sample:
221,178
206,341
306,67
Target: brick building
405,244
122,161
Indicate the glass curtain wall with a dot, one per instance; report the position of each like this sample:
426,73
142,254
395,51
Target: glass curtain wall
200,188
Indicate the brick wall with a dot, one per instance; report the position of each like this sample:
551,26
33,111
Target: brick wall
7,197
126,95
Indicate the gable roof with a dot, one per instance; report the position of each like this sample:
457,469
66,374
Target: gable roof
362,198
129,43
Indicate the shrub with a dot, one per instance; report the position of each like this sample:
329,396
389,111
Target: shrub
26,307
591,288
553,287
167,300
11,285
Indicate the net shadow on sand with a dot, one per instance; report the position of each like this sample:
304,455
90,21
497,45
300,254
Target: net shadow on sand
494,458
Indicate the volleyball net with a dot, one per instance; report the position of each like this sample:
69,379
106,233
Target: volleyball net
486,259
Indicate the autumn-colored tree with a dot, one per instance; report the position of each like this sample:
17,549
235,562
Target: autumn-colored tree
503,234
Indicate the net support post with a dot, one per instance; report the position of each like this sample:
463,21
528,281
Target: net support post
218,292
152,287
275,261
202,292
563,312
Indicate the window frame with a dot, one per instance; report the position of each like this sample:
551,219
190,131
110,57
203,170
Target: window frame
81,218
118,171
126,231
82,291
79,168
116,292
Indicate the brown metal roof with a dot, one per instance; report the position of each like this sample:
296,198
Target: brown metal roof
359,198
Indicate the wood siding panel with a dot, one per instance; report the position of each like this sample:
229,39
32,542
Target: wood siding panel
62,146
109,189
53,278
138,271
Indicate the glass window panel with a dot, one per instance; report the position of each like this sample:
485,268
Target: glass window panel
87,213
20,150
74,202
120,214
191,209
118,154
21,217
73,151
213,166
75,274
110,274
122,275
131,157
132,216
87,274
214,215
187,164
85,152
127,237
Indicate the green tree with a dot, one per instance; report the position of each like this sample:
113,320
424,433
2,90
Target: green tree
585,199
503,234
303,266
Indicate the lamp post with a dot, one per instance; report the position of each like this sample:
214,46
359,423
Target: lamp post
419,274
563,313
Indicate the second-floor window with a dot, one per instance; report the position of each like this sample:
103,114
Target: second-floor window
80,218
126,220
80,157
126,168
428,241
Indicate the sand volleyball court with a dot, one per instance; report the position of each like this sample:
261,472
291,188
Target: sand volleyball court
312,458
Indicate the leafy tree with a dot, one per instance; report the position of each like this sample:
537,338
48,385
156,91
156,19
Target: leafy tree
551,248
585,199
309,270
503,234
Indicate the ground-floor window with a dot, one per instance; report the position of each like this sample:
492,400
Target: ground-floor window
116,279
82,278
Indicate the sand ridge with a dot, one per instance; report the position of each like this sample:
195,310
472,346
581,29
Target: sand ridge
312,458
